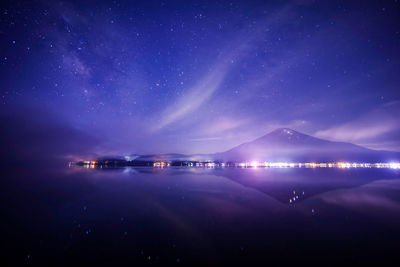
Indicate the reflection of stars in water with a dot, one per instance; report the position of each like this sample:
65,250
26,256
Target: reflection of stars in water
295,197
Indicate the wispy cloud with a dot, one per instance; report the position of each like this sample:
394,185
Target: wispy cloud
203,89
350,132
240,46
222,124
369,129
206,139
367,198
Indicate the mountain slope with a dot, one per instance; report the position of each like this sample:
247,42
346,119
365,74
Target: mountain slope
285,144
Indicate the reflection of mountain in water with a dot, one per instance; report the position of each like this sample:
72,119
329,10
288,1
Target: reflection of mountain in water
288,184
295,185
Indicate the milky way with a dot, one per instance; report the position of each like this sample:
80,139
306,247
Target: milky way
187,77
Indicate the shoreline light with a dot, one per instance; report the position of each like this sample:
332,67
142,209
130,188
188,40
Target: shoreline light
256,164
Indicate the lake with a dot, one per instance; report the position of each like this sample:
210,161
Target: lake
175,216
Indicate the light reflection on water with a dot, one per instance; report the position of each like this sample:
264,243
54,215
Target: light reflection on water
208,215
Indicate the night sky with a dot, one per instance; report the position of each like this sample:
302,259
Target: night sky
119,77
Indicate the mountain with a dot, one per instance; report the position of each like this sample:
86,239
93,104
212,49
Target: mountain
287,145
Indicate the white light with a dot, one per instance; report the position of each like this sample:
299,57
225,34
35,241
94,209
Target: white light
394,165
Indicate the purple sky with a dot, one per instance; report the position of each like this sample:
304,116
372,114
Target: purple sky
114,77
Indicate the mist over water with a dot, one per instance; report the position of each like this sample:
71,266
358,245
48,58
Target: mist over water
201,216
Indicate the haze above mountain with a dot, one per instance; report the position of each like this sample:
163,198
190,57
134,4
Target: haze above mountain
288,145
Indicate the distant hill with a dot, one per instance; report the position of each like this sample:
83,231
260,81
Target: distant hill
163,157
287,145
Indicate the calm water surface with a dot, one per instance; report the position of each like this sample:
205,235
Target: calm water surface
201,216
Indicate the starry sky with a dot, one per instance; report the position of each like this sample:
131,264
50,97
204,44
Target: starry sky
126,77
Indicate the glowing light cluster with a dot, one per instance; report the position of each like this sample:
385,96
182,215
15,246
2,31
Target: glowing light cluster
394,165
161,164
